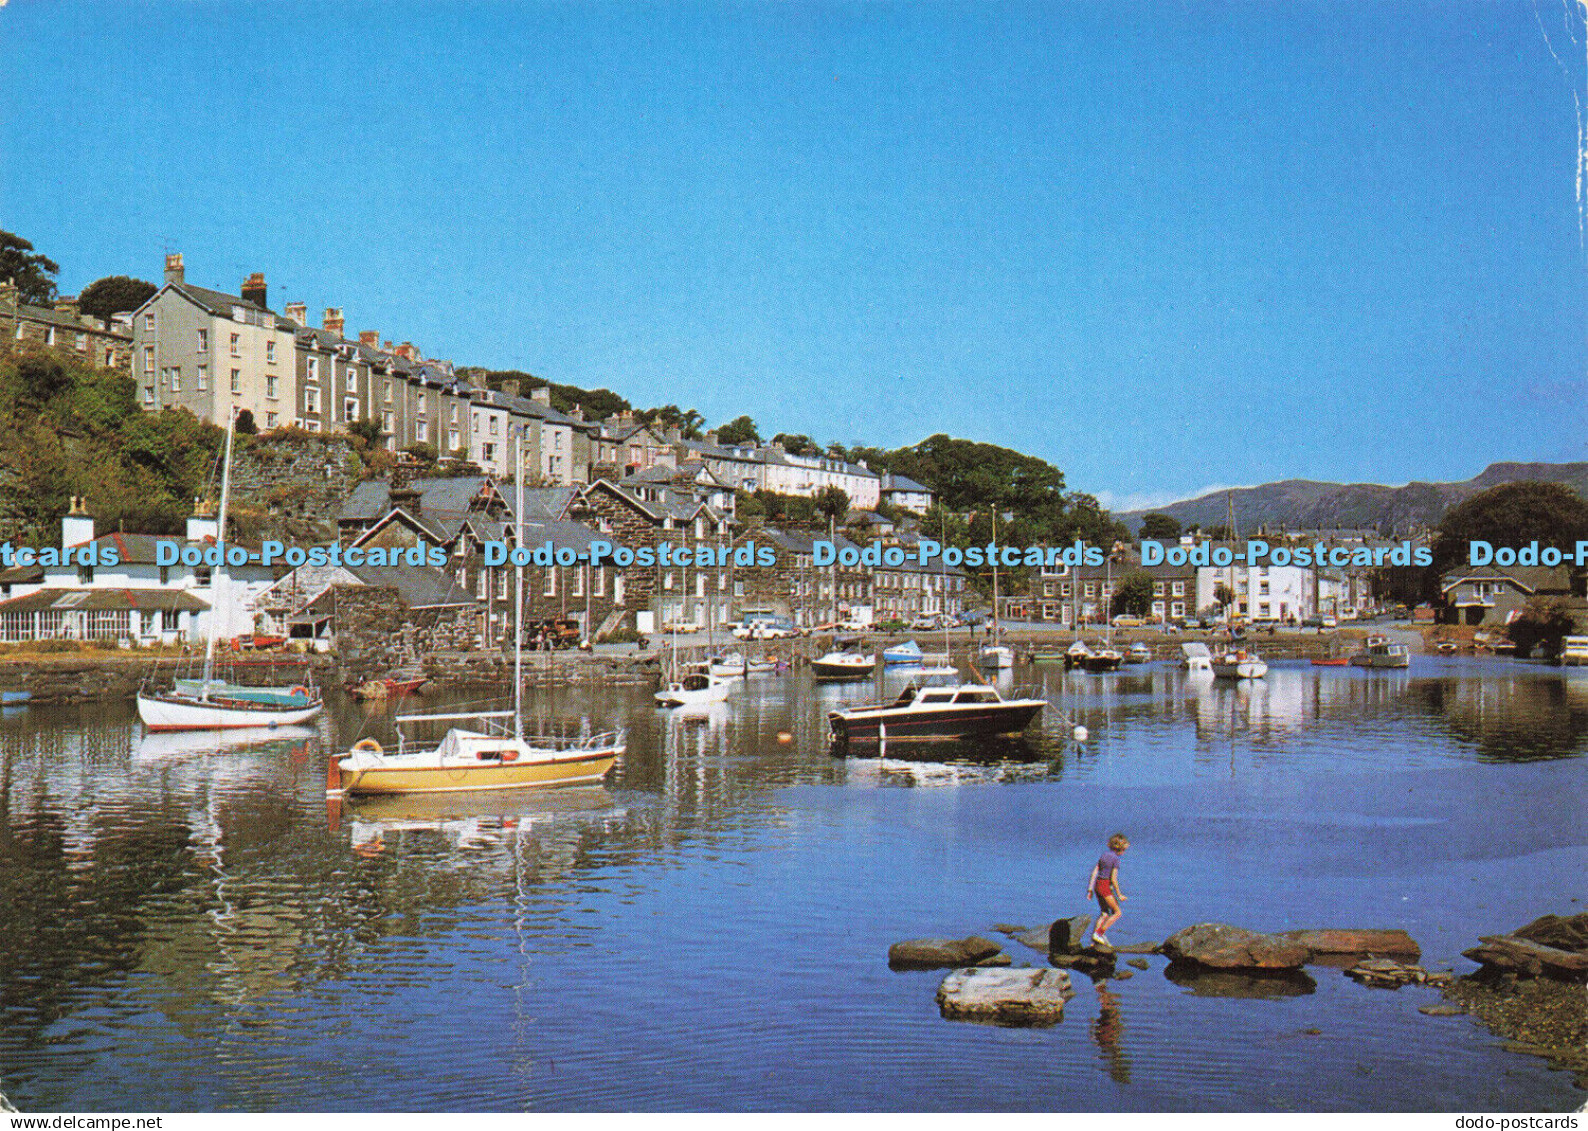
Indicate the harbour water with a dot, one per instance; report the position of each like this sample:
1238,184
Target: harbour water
189,929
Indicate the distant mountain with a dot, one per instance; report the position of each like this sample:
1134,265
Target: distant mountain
1301,504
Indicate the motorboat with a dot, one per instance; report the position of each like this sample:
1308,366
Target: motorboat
1238,663
729,665
764,665
958,711
845,661
1379,652
1574,651
1197,659
497,756
1138,653
695,687
996,656
898,654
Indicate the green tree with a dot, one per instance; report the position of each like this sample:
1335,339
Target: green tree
739,431
114,294
832,503
245,423
1161,527
1512,514
31,272
797,444
368,431
1223,595
1543,623
1133,594
687,421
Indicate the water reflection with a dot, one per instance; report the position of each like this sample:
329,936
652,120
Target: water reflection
183,917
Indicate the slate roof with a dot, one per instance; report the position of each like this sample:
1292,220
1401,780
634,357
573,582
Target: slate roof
891,482
444,503
98,600
419,587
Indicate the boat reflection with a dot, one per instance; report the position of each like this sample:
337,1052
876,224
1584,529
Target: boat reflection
477,822
152,747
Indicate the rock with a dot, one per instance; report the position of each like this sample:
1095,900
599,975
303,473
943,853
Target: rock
927,954
1386,973
1220,946
1569,934
999,959
1122,975
1269,985
1013,930
1441,1010
1345,942
1139,948
1070,936
1005,997
1138,963
1523,956
1036,939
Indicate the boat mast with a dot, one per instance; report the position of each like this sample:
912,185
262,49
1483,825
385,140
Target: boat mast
218,578
518,593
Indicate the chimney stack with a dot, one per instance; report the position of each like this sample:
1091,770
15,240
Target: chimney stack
77,525
67,305
511,386
254,290
298,312
542,395
173,268
577,412
407,352
369,338
333,320
711,438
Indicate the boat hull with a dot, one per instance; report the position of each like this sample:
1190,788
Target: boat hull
824,670
1005,718
1101,662
461,777
1381,661
162,713
1246,669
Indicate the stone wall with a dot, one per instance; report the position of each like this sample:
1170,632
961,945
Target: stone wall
292,489
375,631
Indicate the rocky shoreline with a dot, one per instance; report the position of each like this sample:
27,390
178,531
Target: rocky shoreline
1531,987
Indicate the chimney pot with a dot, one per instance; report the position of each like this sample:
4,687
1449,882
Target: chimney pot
333,320
370,338
298,312
173,268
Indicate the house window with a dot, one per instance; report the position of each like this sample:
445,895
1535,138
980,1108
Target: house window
738,589
388,420
271,383
388,392
452,440
578,582
490,453
148,354
551,581
271,420
667,582
600,580
203,378
82,342
421,431
237,380
311,401
110,358
270,350
203,340
349,409
314,369
148,322
1178,588
237,345
176,379
148,394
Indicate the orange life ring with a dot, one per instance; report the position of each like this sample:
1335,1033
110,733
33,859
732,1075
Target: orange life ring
368,744
509,755
301,690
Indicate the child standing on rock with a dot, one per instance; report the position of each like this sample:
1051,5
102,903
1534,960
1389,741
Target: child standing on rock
1104,884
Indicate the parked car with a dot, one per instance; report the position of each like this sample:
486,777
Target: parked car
1124,621
774,630
927,623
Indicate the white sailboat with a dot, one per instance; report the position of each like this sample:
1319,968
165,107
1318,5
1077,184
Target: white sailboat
215,704
487,756
993,654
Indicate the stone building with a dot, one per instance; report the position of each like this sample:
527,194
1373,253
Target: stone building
66,328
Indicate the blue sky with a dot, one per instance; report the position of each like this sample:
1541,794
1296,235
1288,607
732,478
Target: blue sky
1162,245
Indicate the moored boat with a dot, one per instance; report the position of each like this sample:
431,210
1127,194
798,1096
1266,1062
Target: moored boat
729,665
907,653
486,759
1574,651
1197,658
695,687
1101,660
219,712
1138,653
844,662
1378,652
1238,663
960,711
996,657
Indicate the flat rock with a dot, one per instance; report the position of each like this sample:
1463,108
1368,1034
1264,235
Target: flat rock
1005,997
929,954
1346,941
1139,948
1523,956
1569,933
1219,946
1386,973
1138,963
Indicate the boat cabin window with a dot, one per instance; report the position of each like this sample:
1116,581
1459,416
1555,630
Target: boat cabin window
938,697
696,683
977,695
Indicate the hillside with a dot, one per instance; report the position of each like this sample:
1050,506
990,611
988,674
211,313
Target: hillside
1301,504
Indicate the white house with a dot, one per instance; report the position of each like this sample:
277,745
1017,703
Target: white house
135,600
